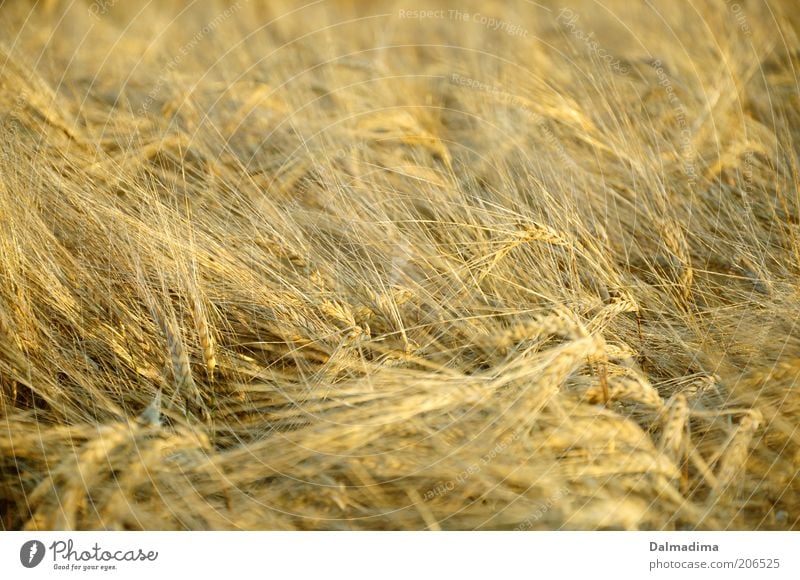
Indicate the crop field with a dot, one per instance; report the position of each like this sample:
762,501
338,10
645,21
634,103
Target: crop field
342,265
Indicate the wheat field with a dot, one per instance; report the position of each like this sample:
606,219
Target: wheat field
349,265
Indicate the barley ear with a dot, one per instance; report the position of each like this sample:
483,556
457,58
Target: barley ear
182,371
204,334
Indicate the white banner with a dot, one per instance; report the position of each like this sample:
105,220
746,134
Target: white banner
382,555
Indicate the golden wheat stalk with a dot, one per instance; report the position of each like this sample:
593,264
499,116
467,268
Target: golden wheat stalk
675,241
735,455
626,388
182,370
207,343
529,232
673,433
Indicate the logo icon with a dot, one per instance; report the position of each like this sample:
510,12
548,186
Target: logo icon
31,554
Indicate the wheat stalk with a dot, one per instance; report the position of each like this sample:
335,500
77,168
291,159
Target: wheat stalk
675,241
673,432
207,342
735,455
626,388
529,232
182,370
